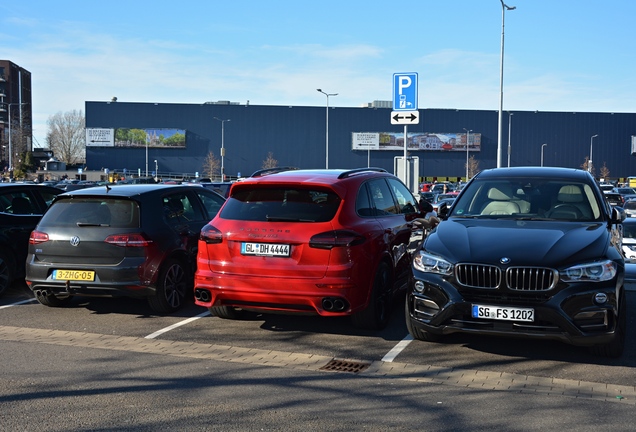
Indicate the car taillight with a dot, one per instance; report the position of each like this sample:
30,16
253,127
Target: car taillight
332,239
37,237
128,240
211,235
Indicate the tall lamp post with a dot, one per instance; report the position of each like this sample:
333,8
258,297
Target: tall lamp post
222,146
542,146
504,7
589,163
509,135
156,170
327,127
11,121
468,131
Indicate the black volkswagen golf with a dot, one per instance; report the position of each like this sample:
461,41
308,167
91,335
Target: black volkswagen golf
526,252
125,240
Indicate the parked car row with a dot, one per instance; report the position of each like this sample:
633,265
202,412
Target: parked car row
522,252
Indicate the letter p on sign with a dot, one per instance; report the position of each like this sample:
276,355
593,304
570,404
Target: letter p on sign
405,91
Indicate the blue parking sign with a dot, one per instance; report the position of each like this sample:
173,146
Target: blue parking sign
405,91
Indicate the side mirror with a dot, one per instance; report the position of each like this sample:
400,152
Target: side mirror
442,212
618,215
425,206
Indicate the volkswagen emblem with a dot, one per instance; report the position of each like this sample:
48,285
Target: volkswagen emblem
75,241
504,260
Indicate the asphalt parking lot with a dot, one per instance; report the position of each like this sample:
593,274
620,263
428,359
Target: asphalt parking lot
309,342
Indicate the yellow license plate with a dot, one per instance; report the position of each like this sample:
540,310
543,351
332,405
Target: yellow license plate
76,275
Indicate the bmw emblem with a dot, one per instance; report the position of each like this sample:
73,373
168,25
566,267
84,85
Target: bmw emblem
504,260
75,241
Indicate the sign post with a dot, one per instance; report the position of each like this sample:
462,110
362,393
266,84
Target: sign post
405,109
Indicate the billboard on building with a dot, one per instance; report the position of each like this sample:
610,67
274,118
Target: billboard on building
129,137
100,137
157,137
417,141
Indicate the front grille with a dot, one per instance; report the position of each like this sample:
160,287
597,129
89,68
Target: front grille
530,278
478,276
517,278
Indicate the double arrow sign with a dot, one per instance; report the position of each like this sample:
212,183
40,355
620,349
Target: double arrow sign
405,117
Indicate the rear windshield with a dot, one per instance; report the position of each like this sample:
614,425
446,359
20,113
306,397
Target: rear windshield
281,204
116,213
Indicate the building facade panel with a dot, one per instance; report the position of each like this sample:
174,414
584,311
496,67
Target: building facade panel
295,136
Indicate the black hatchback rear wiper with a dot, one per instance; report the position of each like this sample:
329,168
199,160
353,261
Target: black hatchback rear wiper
91,224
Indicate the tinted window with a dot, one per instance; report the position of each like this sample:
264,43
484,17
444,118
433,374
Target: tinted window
629,231
117,213
381,197
406,200
211,202
179,208
18,203
281,204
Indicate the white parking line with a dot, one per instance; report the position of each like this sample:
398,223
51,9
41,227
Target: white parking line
397,349
18,303
174,326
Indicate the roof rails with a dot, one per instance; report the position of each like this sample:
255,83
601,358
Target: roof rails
359,170
267,171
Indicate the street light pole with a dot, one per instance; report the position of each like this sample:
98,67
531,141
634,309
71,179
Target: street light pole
589,163
509,134
222,146
327,127
542,146
156,170
504,7
11,121
468,131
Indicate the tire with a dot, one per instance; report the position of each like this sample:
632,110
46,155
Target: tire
417,333
6,272
226,312
51,300
172,287
614,349
376,314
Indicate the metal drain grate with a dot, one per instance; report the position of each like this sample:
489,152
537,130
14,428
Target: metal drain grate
336,365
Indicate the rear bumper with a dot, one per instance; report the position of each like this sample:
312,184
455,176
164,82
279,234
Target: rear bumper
110,281
292,295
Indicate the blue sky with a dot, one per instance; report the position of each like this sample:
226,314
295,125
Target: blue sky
560,55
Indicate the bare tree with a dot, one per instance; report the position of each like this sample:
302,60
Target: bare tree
605,172
211,166
270,162
66,136
473,167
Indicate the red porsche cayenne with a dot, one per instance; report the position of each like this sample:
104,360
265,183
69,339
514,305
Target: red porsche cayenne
327,242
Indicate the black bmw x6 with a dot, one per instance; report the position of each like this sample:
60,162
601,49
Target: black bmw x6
526,252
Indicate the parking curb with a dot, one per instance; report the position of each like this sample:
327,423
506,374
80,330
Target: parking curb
468,378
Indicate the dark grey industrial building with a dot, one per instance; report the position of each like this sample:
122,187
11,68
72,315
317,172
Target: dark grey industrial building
295,135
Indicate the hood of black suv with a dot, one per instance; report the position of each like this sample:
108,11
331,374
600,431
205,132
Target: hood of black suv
540,243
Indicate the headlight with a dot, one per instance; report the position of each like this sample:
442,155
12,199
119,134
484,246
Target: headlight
593,272
432,264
